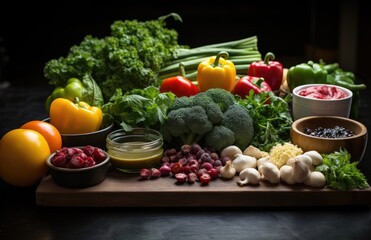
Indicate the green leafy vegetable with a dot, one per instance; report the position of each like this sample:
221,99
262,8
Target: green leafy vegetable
272,121
93,93
129,58
138,108
340,172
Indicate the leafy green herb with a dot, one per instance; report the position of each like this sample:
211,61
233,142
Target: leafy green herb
272,121
340,172
138,108
131,57
92,92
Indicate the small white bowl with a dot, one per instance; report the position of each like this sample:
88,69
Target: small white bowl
303,106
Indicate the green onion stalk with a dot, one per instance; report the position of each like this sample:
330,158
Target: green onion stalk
241,52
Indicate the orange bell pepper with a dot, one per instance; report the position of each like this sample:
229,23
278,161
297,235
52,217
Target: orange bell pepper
72,118
216,72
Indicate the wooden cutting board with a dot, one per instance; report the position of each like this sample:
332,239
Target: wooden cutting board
127,190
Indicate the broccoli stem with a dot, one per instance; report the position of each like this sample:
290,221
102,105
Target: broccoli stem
191,138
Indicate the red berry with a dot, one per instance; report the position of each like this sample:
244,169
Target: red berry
205,179
88,150
89,161
145,173
181,178
98,155
176,168
213,172
155,173
59,160
192,177
165,170
77,162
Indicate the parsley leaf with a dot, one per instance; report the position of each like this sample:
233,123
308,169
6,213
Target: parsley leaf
272,121
340,172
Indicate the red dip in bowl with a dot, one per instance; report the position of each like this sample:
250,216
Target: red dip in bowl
323,92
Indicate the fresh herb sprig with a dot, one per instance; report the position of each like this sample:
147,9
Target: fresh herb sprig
138,108
340,172
272,122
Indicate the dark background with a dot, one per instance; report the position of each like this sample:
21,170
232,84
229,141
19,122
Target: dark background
295,31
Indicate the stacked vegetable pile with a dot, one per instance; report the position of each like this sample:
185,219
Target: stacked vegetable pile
203,100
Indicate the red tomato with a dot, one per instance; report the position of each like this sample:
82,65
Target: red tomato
49,132
179,85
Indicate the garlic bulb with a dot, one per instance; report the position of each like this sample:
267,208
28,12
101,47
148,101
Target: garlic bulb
249,176
227,171
300,170
240,162
270,172
286,174
315,179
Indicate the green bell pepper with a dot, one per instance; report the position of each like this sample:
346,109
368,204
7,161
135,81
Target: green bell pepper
306,73
72,90
86,90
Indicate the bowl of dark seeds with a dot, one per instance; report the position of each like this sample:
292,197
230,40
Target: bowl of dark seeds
327,134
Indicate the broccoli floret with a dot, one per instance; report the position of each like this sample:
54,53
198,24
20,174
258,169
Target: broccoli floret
219,137
213,110
238,119
201,118
189,124
221,97
175,123
182,102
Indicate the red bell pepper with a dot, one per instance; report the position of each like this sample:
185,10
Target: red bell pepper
271,71
179,85
248,83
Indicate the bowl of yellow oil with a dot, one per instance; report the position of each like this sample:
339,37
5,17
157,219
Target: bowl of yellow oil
133,150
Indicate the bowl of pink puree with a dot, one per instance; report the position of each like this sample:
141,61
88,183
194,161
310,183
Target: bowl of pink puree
321,100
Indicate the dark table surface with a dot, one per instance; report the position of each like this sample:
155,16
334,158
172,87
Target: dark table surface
22,218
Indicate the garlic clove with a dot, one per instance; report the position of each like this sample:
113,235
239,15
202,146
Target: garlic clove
262,160
315,179
230,151
253,152
316,157
286,174
242,161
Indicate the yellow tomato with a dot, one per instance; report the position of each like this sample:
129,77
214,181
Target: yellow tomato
49,132
23,154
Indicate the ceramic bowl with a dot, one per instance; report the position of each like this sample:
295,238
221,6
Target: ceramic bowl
304,106
355,145
78,177
96,139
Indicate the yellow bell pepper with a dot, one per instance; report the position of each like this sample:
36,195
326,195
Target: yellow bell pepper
71,118
216,72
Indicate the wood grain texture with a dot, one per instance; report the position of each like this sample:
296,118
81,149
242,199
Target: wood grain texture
125,190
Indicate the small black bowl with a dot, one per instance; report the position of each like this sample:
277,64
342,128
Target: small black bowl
96,139
80,177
